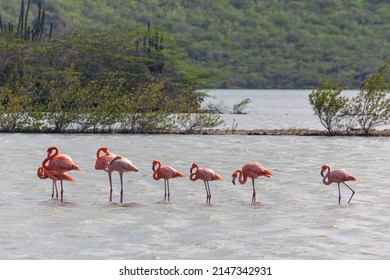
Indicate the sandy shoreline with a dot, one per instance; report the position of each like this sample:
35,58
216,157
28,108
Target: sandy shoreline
273,132
276,132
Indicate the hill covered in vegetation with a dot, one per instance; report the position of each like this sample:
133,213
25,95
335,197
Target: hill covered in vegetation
247,43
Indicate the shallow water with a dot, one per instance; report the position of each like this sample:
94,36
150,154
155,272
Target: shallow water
295,217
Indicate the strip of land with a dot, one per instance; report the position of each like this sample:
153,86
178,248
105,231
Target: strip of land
276,132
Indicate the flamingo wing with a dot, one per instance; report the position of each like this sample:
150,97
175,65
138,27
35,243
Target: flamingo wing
102,162
128,165
340,175
208,174
255,170
63,163
60,163
167,172
252,170
55,175
122,164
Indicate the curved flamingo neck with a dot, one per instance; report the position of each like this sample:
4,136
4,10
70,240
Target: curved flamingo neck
103,149
194,175
194,166
241,177
45,162
325,180
156,175
50,155
55,149
157,164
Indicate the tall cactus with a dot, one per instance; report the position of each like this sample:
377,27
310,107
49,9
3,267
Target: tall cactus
6,28
26,32
153,47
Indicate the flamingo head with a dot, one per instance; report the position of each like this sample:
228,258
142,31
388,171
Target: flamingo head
155,162
194,165
324,167
41,173
234,176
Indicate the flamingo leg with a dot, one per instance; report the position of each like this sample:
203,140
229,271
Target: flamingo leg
338,184
62,190
209,192
52,192
109,177
254,191
55,183
165,188
121,176
168,189
353,192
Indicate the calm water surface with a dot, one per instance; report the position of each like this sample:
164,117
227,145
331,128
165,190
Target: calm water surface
268,109
296,216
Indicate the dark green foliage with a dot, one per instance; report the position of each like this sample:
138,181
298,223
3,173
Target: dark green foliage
328,105
371,107
93,82
249,43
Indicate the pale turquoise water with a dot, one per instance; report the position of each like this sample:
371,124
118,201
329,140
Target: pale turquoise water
296,216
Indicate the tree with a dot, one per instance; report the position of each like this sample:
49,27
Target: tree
371,106
144,110
100,105
19,110
328,105
64,107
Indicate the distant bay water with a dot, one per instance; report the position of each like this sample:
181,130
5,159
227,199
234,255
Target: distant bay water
268,109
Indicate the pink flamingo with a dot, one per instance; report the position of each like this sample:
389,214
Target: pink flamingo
165,172
103,160
253,171
60,164
337,176
206,175
54,176
120,164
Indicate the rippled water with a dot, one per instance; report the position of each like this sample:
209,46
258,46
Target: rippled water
296,216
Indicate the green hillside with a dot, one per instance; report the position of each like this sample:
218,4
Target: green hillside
248,43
